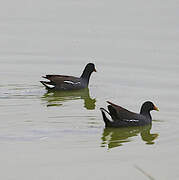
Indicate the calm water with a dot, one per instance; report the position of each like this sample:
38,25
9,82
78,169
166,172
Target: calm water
134,45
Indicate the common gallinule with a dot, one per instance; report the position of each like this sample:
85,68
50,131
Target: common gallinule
63,82
121,117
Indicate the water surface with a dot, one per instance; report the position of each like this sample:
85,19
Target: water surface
52,135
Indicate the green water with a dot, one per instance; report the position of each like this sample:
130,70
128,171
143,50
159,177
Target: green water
61,135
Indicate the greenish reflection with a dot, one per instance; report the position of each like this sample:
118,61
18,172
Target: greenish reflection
56,98
114,137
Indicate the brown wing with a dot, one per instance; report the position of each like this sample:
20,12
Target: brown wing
121,113
58,79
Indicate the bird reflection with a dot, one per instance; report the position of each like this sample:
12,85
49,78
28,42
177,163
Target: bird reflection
114,137
56,98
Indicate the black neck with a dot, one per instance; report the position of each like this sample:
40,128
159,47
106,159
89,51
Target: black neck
145,113
86,75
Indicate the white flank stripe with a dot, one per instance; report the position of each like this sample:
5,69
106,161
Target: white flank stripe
71,82
131,120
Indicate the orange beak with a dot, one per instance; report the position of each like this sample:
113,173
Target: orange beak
156,108
95,70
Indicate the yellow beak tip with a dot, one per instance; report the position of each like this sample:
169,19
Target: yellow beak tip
156,108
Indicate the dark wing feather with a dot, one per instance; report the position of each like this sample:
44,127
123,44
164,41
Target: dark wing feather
62,82
58,79
120,113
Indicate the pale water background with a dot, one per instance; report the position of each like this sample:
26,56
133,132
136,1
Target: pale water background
135,47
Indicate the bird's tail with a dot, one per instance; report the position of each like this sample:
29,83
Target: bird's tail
106,120
48,85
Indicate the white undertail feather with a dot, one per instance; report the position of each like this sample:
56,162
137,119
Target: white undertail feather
107,114
50,86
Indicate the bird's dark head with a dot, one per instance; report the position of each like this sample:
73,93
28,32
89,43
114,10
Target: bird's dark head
147,107
90,67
